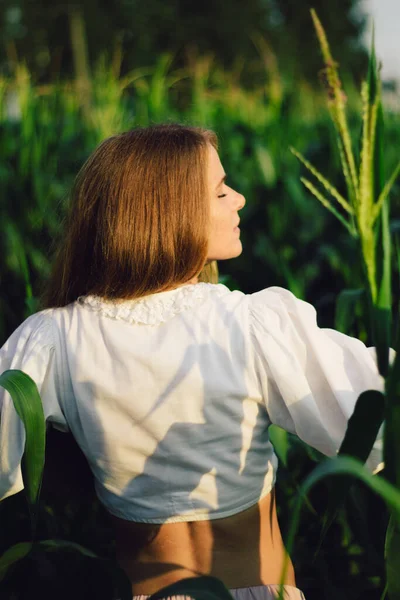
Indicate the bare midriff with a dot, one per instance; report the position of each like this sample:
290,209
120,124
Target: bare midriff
243,550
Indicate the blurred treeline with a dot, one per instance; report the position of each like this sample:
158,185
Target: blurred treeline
60,39
73,74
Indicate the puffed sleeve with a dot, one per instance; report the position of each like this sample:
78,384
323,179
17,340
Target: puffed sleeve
31,349
310,377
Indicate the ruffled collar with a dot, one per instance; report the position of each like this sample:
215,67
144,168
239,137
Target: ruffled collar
155,308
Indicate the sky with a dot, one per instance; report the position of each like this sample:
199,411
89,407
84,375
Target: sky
386,16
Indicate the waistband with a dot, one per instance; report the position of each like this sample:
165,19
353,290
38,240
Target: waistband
257,592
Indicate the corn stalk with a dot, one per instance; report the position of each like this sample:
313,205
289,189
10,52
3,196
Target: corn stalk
365,214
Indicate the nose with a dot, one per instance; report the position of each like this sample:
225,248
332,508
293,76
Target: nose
241,201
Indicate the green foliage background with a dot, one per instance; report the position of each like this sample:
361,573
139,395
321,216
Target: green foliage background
289,240
41,32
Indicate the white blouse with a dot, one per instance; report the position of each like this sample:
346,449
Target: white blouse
170,396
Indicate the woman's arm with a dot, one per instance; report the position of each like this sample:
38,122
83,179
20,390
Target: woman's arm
310,377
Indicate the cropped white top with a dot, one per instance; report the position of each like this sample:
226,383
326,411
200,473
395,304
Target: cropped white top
170,396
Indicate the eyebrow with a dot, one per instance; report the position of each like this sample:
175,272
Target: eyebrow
222,180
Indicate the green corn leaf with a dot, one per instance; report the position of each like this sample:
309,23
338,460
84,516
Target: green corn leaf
55,545
110,569
392,558
327,185
326,203
342,465
114,571
362,430
392,421
12,556
345,309
266,164
382,309
396,332
382,320
122,584
382,331
28,405
17,246
280,442
382,334
363,425
385,192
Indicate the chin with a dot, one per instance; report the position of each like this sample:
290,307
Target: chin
234,252
237,250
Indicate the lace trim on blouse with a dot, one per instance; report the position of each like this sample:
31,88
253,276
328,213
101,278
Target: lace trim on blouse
156,308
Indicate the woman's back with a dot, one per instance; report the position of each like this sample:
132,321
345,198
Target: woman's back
162,396
242,550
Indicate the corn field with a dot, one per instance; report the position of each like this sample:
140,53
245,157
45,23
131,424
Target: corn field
343,260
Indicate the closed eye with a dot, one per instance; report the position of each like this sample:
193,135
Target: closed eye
223,180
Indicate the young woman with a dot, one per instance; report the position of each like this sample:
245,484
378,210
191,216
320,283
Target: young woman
169,381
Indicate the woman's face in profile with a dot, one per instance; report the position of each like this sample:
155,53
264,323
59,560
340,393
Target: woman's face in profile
224,241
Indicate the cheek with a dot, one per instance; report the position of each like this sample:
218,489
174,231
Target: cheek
220,218
219,234
218,225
